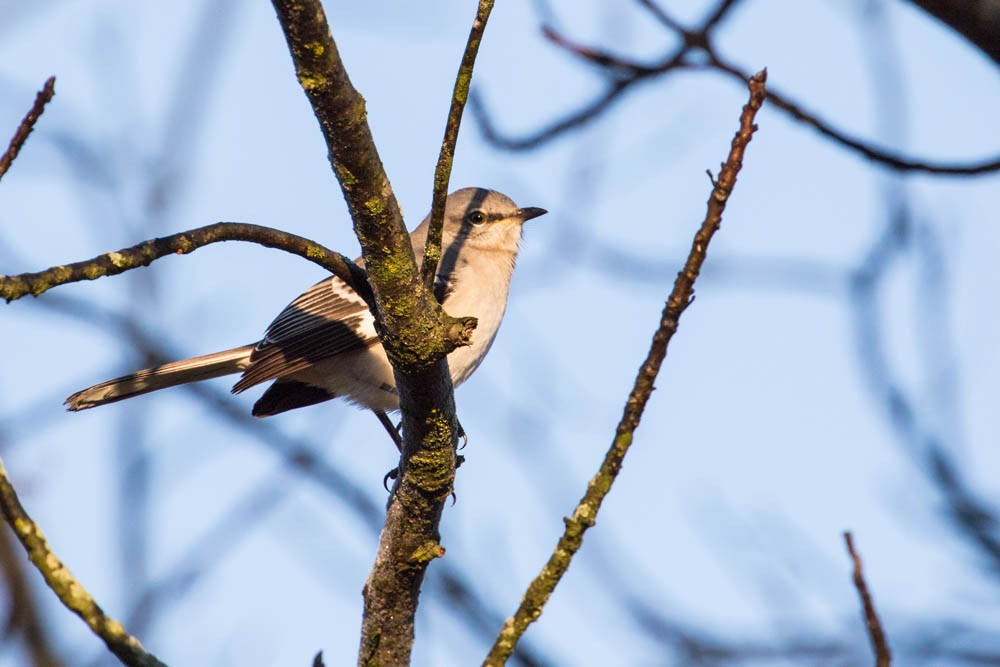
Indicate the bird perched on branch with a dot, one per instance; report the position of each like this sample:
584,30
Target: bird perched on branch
323,345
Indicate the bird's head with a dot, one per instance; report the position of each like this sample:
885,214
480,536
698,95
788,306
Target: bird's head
485,220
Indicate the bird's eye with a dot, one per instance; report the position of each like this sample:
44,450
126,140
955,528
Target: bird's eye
477,217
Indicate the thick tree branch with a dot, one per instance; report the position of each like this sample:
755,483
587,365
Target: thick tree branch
883,656
415,332
442,173
113,263
585,514
27,125
62,582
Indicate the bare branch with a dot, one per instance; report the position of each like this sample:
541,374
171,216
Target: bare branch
696,47
893,160
113,263
720,12
62,582
556,128
442,173
883,657
27,125
585,514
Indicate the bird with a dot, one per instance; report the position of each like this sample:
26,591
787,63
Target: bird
324,345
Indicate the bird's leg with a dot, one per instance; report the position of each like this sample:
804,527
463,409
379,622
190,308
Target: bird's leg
393,431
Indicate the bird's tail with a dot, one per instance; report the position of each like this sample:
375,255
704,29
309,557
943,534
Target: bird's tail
206,367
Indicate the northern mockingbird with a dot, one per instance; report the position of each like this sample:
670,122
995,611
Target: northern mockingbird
323,345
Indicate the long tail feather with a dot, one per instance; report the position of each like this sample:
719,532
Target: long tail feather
206,367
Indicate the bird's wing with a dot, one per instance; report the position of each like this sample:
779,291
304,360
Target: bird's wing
327,319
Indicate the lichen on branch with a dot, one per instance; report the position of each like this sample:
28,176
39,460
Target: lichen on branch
113,263
442,173
415,332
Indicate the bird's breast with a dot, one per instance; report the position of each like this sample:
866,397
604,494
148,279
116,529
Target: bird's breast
479,292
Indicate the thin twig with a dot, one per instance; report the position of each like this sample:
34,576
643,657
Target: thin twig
893,160
586,511
883,657
661,16
715,17
697,50
113,263
442,173
27,125
62,582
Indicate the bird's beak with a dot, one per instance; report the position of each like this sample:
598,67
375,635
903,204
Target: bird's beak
525,214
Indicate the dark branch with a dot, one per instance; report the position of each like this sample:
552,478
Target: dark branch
604,101
893,160
28,124
442,173
113,263
696,47
883,657
720,12
586,511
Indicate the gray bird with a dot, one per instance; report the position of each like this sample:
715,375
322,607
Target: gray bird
323,345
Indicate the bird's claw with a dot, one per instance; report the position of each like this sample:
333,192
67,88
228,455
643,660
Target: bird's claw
392,474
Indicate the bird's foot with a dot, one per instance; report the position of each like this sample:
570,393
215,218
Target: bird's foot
392,474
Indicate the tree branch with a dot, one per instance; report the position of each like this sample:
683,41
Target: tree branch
415,332
696,47
883,657
585,514
27,125
113,263
893,160
442,173
62,582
